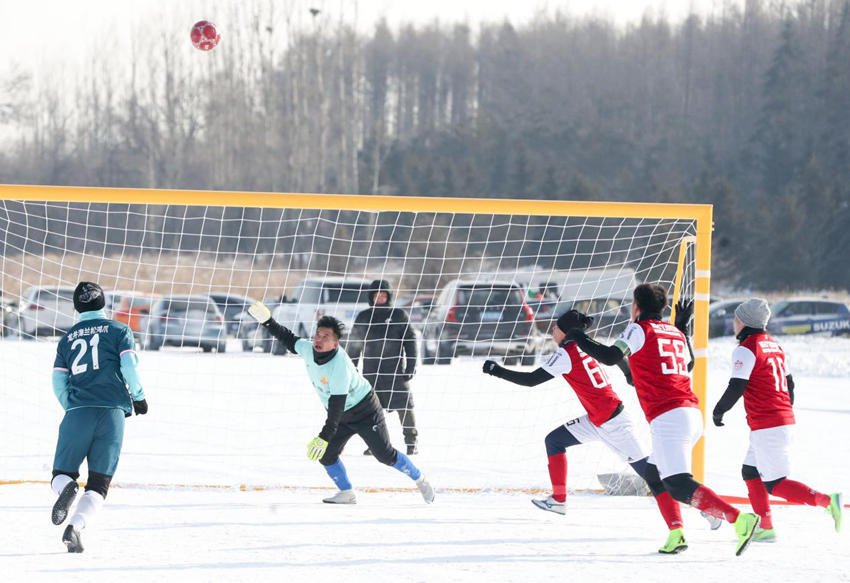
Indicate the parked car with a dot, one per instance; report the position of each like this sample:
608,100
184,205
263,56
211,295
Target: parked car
184,320
238,323
417,309
8,316
807,316
721,317
481,319
312,298
610,315
46,311
129,307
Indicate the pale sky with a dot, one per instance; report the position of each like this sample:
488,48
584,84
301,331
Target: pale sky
38,33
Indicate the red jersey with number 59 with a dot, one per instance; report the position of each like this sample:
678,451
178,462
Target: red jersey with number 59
761,362
587,378
659,366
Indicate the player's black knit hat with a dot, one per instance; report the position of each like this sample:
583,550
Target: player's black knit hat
573,319
88,297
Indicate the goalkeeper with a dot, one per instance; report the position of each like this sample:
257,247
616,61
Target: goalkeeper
351,404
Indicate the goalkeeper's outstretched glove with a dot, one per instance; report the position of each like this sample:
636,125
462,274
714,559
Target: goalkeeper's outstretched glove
316,448
260,312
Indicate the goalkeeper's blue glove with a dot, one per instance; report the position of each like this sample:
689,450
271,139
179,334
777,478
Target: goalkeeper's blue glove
316,448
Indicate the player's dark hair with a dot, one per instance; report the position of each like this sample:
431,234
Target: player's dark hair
650,298
330,322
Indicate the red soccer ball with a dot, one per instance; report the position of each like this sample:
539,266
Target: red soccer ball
204,35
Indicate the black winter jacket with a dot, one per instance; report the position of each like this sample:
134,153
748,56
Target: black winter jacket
383,336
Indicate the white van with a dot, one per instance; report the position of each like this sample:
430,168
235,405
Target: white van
314,297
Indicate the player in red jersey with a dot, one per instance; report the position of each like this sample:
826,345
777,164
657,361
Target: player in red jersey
656,352
606,420
760,374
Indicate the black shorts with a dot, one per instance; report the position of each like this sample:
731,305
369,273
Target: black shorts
367,420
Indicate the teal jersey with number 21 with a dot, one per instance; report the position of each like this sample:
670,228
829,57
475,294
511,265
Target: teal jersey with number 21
90,354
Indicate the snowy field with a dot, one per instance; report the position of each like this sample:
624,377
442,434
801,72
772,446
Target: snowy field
214,483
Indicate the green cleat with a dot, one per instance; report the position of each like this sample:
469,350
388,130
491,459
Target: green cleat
675,542
745,528
835,509
765,535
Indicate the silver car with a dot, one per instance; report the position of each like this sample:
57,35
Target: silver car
46,311
185,320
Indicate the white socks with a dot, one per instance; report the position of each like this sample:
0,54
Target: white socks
87,507
59,482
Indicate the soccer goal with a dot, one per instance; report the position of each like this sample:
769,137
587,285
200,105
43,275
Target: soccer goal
479,278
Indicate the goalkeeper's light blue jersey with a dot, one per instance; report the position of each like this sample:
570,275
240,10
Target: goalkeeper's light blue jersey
338,376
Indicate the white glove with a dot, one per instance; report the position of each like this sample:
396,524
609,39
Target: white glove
260,312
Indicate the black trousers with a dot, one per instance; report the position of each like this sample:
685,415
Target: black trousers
400,400
367,420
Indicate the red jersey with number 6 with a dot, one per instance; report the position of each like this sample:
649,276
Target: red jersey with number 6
761,362
587,378
659,366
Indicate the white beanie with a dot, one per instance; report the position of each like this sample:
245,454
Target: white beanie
753,313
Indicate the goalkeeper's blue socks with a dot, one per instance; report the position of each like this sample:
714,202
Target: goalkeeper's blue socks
338,475
405,466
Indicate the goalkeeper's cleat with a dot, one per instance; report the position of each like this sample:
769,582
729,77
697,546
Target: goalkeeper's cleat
676,542
342,497
764,535
745,528
71,538
367,452
550,504
425,488
836,509
713,521
63,502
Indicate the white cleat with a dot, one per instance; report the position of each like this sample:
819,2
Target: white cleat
551,505
425,488
342,497
713,521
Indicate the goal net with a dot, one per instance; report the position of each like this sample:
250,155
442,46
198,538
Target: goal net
478,279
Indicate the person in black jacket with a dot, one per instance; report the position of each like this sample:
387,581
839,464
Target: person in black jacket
383,336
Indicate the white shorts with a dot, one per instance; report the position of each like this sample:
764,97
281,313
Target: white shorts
617,433
674,435
769,452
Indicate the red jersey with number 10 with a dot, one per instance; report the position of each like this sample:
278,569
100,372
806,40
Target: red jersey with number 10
659,367
587,378
761,361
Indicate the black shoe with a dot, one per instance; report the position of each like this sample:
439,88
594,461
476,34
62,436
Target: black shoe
412,449
71,538
367,452
63,503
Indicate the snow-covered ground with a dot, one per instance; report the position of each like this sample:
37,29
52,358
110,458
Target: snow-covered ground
214,483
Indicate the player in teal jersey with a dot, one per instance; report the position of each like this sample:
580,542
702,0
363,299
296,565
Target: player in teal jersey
95,380
352,406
